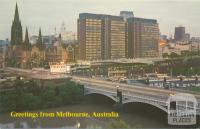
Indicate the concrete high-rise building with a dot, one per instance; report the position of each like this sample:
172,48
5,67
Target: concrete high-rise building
101,36
126,15
143,38
179,34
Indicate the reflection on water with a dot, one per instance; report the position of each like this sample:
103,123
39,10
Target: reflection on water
133,118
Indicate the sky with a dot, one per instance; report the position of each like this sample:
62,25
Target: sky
49,14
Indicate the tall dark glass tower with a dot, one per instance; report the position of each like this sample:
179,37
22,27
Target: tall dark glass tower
16,30
179,34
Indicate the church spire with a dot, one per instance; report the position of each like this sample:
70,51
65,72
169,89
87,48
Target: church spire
26,36
40,34
16,29
39,41
16,14
26,44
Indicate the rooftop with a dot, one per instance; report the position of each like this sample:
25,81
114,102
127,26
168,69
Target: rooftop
99,16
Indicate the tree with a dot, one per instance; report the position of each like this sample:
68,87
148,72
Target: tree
173,55
27,95
33,87
165,55
48,97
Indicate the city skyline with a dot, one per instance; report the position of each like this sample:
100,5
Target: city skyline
35,14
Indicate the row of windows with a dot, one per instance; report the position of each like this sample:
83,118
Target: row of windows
89,20
97,23
95,40
95,46
92,34
93,25
117,35
57,66
93,37
93,52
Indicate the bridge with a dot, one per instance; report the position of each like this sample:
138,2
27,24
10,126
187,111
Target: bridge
128,97
153,96
156,97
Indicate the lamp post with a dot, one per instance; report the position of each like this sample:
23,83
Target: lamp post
196,80
171,72
117,87
119,95
181,80
142,69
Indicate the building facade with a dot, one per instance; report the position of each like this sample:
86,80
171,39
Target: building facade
179,34
143,38
101,36
104,37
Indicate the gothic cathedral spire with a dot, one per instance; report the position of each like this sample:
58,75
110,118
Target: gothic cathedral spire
39,41
26,36
26,44
16,13
16,29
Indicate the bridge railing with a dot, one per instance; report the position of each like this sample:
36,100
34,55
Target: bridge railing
129,96
146,99
100,90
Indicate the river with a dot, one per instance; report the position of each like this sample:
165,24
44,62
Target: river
134,115
133,119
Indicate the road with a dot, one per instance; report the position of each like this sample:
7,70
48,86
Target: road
150,91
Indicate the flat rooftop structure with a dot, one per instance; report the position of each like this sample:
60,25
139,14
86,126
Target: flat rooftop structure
99,16
142,20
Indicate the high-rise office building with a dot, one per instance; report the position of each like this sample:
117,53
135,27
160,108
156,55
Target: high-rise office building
143,38
126,15
104,37
179,34
101,36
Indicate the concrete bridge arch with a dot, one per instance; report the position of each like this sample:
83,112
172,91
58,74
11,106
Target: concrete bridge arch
125,100
109,96
154,105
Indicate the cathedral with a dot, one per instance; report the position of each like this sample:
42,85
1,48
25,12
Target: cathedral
22,54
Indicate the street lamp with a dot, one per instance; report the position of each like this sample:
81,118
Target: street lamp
191,71
117,88
119,95
142,69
